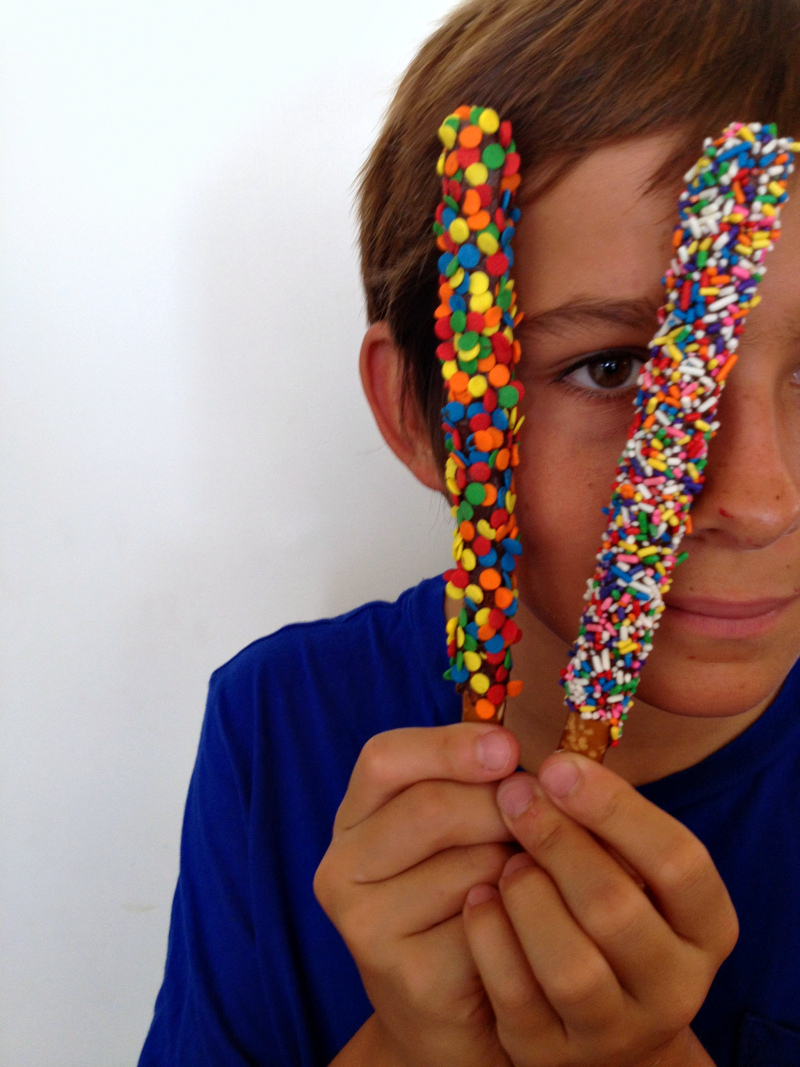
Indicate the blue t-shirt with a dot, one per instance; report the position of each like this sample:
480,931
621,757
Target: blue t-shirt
255,972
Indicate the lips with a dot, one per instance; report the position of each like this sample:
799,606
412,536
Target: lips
713,617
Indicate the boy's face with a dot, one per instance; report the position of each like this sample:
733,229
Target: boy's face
590,255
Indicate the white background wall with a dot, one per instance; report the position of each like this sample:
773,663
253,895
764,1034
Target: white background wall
186,462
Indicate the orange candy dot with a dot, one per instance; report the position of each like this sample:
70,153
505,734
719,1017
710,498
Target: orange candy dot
503,598
490,495
485,709
451,164
459,381
467,530
514,687
499,376
486,633
471,203
493,315
480,220
502,459
511,182
489,579
470,136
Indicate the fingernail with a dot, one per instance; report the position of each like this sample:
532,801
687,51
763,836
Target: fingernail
479,894
515,795
494,750
560,778
516,863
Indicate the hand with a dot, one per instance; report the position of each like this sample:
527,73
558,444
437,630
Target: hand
583,966
418,827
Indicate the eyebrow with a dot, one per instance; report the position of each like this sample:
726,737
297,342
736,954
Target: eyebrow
639,313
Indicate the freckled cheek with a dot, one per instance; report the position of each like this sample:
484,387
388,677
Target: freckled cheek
560,496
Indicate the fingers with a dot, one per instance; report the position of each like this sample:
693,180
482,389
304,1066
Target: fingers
417,900
392,761
426,818
516,996
676,867
603,899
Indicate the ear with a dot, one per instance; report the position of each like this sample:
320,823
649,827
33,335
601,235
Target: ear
404,431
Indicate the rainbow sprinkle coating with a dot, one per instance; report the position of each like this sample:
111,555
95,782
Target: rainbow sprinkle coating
729,220
479,168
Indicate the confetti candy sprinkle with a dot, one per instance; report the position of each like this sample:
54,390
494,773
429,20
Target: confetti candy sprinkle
479,169
729,220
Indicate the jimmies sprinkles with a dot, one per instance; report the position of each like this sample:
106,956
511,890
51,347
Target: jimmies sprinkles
729,220
475,320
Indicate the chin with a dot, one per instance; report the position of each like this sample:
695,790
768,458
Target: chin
703,689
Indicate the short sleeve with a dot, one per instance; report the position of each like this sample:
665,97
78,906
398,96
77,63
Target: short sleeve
207,1011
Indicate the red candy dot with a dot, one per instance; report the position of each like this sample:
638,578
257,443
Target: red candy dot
501,673
479,472
497,694
485,193
468,156
496,659
481,546
511,164
497,264
443,329
476,321
480,422
510,632
501,346
497,619
499,518
489,397
504,134
445,351
454,189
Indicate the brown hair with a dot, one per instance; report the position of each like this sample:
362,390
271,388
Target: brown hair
571,75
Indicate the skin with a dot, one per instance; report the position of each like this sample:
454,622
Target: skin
507,924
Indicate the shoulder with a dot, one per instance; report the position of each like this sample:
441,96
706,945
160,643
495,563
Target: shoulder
320,689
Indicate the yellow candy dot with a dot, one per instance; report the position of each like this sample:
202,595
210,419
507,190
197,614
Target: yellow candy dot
489,121
485,530
477,174
460,637
440,165
510,501
479,682
475,593
449,367
447,135
453,591
459,231
478,282
482,302
482,616
477,386
468,561
458,278
472,661
452,486
487,243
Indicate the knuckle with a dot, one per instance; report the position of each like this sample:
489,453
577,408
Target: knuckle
576,984
616,911
549,834
684,866
376,760
608,807
484,863
429,808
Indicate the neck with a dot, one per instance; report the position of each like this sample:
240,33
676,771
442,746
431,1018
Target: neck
655,742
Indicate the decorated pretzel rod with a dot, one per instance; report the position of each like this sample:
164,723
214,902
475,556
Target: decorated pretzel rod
729,220
479,169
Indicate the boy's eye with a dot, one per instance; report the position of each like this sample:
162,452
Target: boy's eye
611,371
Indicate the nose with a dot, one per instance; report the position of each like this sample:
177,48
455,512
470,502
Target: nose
751,496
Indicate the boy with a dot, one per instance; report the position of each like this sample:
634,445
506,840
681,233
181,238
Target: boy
570,918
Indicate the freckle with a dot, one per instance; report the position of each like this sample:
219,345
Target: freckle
725,514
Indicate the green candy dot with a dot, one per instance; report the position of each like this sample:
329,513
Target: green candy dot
507,396
470,644
469,366
475,493
493,156
468,340
458,321
452,203
438,229
475,114
451,267
503,299
465,512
